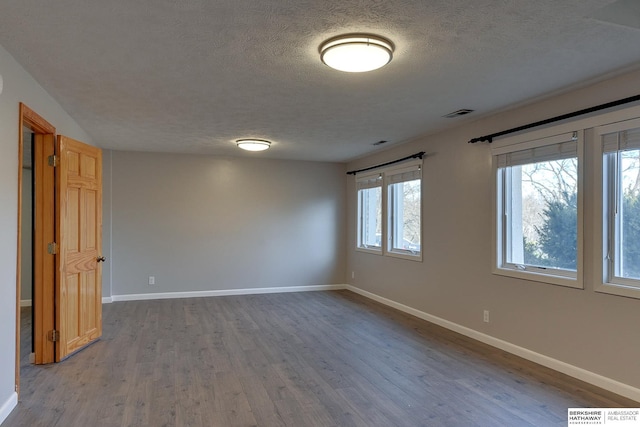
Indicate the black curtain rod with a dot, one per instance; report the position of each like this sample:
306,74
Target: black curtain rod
413,156
489,138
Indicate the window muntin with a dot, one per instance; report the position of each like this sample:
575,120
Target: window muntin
621,207
537,206
370,213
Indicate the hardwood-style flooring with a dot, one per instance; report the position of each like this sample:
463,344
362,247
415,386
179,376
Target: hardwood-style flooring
293,359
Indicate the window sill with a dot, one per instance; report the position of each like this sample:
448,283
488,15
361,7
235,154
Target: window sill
539,277
619,290
369,251
408,256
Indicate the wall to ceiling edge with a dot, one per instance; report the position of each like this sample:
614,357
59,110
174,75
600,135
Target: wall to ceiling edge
592,332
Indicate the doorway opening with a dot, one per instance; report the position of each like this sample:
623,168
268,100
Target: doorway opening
35,142
26,238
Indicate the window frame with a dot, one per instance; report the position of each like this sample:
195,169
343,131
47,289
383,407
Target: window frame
359,220
606,203
520,143
391,228
387,224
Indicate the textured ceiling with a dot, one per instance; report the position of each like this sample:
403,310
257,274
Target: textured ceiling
194,75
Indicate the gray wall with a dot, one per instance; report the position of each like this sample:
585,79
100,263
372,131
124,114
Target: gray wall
590,330
200,223
18,86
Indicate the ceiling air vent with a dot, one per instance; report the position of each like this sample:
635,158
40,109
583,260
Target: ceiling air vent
458,113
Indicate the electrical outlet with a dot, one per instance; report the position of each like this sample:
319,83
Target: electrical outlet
152,280
353,274
486,316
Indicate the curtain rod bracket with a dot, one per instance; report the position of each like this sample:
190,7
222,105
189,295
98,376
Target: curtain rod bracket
488,139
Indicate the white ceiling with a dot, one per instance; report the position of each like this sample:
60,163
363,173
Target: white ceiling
194,75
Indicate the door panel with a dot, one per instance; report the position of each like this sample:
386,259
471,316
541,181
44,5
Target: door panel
79,236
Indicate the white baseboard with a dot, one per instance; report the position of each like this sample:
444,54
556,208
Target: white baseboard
8,406
557,365
224,292
107,300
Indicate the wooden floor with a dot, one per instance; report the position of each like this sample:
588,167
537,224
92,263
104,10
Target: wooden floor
295,359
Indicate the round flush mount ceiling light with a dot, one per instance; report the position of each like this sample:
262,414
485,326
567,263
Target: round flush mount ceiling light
356,53
253,144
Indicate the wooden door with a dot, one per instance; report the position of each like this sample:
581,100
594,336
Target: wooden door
79,239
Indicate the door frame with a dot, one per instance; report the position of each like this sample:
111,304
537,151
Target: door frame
43,288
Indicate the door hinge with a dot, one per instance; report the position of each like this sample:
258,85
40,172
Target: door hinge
54,335
52,248
53,160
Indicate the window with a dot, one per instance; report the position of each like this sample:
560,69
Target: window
541,233
404,191
538,210
389,215
370,212
621,206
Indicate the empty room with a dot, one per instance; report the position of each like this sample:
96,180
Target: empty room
329,213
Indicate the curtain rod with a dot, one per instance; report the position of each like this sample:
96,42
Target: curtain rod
413,156
489,138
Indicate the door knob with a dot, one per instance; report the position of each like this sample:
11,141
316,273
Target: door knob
101,259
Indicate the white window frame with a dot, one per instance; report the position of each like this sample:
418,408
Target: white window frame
607,180
414,168
387,224
366,182
514,146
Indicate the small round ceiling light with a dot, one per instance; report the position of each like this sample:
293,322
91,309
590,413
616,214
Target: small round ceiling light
253,144
356,53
